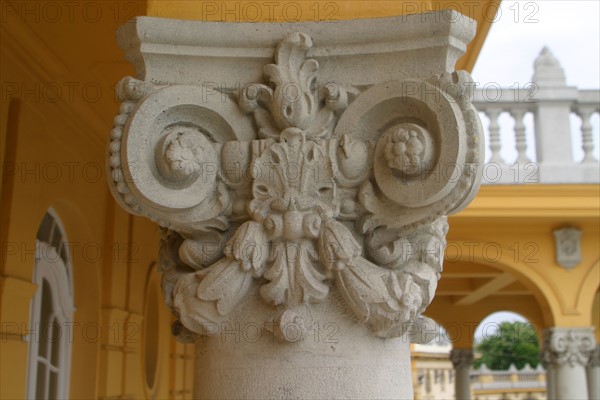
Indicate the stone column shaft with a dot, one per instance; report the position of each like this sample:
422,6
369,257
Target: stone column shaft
550,381
332,358
593,374
462,359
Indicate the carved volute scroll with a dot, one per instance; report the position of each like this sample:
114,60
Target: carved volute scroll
294,188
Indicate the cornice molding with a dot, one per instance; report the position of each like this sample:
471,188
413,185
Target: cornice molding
343,46
535,201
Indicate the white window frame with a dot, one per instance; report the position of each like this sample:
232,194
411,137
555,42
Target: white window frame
51,268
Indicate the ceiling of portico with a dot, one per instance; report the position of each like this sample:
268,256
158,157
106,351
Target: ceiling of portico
468,283
70,47
468,292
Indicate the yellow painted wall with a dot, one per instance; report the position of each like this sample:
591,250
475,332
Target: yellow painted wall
510,229
521,220
56,110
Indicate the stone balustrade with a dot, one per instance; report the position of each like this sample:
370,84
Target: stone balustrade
512,378
545,106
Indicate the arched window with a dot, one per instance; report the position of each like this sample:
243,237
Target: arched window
51,314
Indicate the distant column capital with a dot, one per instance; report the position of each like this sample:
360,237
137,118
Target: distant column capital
461,358
594,361
572,346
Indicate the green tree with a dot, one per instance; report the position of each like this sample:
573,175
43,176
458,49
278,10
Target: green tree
514,343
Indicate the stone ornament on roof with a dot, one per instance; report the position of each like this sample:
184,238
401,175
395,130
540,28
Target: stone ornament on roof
547,70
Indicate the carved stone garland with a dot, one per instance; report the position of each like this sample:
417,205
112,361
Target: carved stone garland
332,188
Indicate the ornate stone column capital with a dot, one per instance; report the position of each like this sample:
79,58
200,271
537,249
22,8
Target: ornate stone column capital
594,361
461,358
546,358
568,346
301,174
296,163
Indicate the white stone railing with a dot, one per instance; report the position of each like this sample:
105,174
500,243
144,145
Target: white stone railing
547,111
527,378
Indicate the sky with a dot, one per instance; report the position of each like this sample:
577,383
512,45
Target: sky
489,325
570,29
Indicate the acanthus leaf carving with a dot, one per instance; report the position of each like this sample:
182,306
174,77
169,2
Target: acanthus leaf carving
384,298
297,101
205,297
293,277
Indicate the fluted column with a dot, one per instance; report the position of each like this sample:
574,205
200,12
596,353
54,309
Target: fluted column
593,374
569,350
301,175
462,360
